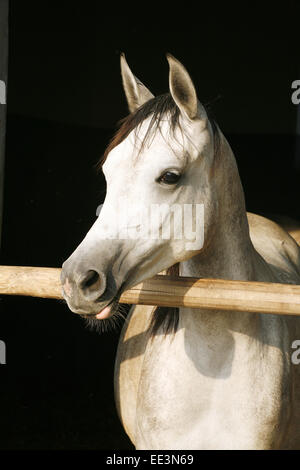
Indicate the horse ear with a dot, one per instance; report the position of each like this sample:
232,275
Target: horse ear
183,91
136,93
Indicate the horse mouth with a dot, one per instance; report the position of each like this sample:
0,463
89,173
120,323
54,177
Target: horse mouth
107,311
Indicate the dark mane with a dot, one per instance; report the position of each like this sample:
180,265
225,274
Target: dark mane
164,319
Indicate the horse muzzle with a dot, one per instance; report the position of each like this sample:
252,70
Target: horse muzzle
88,292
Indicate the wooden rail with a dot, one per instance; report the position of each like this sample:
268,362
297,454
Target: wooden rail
167,291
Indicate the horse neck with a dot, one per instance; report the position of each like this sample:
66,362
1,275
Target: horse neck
229,253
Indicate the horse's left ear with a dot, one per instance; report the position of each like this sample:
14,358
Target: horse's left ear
136,92
183,91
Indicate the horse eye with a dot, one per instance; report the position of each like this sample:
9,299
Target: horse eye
169,177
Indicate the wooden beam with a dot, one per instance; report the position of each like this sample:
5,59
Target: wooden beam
167,291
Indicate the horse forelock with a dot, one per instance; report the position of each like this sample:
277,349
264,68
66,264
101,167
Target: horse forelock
155,110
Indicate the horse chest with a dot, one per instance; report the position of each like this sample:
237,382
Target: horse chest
195,398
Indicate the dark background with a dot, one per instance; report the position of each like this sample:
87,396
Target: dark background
64,99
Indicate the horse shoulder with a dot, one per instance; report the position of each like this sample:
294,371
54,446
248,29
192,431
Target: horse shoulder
277,247
128,365
295,233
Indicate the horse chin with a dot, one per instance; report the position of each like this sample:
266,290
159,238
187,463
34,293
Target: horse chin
94,312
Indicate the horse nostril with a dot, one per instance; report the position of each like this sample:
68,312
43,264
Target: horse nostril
89,280
92,284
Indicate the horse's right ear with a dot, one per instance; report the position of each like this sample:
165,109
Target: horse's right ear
136,93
